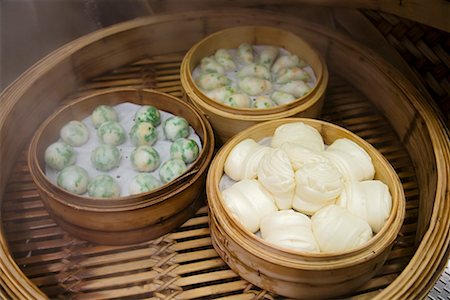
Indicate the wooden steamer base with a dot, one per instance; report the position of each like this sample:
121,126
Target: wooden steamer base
365,95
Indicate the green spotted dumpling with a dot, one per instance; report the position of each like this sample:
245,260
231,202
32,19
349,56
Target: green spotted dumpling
143,133
145,159
185,149
103,186
111,133
176,127
148,113
143,182
103,113
106,157
59,155
171,169
75,133
73,179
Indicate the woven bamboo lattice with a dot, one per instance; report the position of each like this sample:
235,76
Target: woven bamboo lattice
181,264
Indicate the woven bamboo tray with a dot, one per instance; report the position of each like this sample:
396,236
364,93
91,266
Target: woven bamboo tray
365,95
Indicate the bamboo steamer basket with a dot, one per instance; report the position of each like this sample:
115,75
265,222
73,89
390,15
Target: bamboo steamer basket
227,120
128,219
39,262
293,273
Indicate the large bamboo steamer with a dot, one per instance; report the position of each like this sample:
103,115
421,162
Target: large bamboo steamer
127,219
404,105
227,120
293,273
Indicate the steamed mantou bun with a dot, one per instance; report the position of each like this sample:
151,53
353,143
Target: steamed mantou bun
281,98
238,100
74,133
268,56
103,186
298,133
251,164
263,102
221,93
103,113
209,65
338,230
210,81
254,70
352,160
254,86
297,88
289,74
248,202
59,155
300,155
237,159
224,58
276,175
290,229
245,53
285,61
318,184
369,200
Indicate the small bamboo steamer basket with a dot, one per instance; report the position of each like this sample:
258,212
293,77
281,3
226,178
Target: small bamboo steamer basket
227,120
293,273
128,219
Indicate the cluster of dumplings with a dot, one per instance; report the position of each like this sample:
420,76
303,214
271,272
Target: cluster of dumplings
61,156
247,78
302,194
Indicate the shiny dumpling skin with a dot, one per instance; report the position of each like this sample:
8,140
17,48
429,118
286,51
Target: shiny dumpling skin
254,70
285,61
238,100
292,73
268,56
254,86
297,88
245,53
281,98
224,58
210,81
210,65
263,102
221,93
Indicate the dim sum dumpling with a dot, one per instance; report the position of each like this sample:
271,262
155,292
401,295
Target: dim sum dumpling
282,98
59,155
248,202
103,186
185,149
209,65
171,169
148,113
210,81
296,87
143,133
300,155
224,58
106,157
103,113
220,94
268,56
111,133
276,175
176,127
143,182
369,200
73,179
254,70
317,185
290,229
245,53
254,86
337,230
74,133
285,61
298,133
352,160
238,100
263,102
289,74
145,159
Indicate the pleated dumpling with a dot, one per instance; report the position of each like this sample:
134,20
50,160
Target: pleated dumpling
298,133
369,200
336,229
351,160
248,202
276,174
317,185
290,229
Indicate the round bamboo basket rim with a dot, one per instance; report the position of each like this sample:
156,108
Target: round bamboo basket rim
299,104
388,233
128,202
